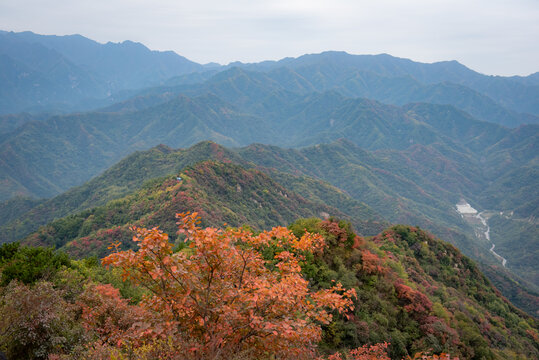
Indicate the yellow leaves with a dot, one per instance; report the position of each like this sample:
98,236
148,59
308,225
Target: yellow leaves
115,246
188,222
310,242
283,237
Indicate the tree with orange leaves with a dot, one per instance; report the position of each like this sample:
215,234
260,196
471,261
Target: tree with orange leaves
220,297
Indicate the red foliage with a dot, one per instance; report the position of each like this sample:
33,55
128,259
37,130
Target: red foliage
366,352
439,328
415,301
358,242
35,321
221,295
372,264
334,229
111,317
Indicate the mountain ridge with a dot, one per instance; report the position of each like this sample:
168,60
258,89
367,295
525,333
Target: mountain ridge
504,100
383,180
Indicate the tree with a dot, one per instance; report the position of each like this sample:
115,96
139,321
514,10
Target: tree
29,264
220,297
110,316
36,321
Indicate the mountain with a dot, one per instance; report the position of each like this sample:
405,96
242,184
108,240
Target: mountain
41,72
427,156
253,109
413,290
36,157
132,172
375,73
391,186
123,178
219,192
410,140
125,65
326,76
418,186
75,73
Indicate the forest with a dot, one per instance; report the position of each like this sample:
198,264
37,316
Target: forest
314,289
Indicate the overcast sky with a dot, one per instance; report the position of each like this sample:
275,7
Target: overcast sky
490,36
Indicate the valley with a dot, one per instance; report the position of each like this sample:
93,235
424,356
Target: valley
479,220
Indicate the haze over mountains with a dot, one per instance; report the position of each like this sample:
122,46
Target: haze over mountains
393,140
73,72
69,72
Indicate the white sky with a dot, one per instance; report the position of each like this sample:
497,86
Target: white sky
498,37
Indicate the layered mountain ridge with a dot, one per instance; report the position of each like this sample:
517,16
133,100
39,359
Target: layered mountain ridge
391,139
384,181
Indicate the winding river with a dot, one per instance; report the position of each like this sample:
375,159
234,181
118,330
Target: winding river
468,213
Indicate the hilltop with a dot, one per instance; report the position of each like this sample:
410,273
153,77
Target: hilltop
220,192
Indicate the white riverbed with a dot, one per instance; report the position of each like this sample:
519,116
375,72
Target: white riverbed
466,210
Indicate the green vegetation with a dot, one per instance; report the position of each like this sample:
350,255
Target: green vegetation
409,163
29,264
414,291
219,192
15,207
123,178
419,185
516,238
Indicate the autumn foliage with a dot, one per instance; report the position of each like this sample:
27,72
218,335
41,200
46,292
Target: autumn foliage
35,321
372,264
366,352
233,294
221,297
110,316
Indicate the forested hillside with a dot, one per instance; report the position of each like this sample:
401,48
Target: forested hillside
220,192
409,187
412,163
400,293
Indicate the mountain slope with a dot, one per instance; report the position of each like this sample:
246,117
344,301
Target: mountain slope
420,186
219,192
67,72
36,158
30,161
386,181
410,289
120,180
128,176
331,68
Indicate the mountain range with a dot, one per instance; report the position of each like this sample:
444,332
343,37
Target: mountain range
90,129
46,72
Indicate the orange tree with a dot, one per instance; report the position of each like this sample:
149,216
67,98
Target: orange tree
221,297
